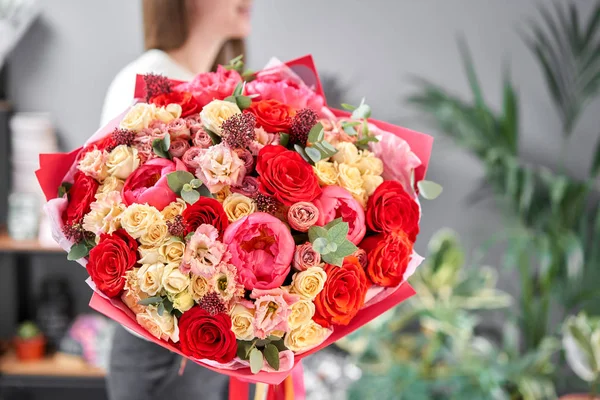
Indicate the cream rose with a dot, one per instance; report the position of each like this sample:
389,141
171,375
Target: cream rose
347,153
371,182
174,209
326,172
104,215
156,234
368,164
183,301
111,184
222,194
237,206
162,327
199,287
168,113
150,278
150,255
138,117
137,218
309,283
306,337
172,250
216,112
301,313
242,322
351,180
122,161
173,280
132,293
93,164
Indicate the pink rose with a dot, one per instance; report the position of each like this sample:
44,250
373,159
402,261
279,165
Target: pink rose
334,133
219,167
271,310
261,248
211,85
398,159
148,184
143,142
302,215
248,187
178,129
263,138
305,257
199,136
178,147
273,84
361,256
191,158
203,252
336,202
247,158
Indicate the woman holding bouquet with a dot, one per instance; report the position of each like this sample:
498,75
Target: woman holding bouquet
182,39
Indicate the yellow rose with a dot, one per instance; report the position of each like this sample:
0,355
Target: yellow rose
162,327
173,280
183,301
93,164
150,278
347,153
122,161
371,182
168,113
199,287
306,336
216,112
137,218
150,255
237,206
309,283
111,184
222,194
326,172
302,311
242,322
104,215
138,117
368,164
132,293
351,180
156,234
174,209
172,250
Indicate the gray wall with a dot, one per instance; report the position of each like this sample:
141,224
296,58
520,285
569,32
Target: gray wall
67,60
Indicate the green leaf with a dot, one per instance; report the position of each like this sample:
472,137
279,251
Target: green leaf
313,154
510,118
471,74
157,147
204,192
273,338
302,153
284,139
272,356
166,142
429,190
239,88
195,183
150,300
256,360
243,349
64,189
321,245
216,139
243,102
334,223
363,111
331,247
595,170
190,196
168,305
337,233
315,232
176,180
279,344
333,259
329,148
345,249
348,107
189,236
78,250
574,256
231,99
349,127
316,133
161,308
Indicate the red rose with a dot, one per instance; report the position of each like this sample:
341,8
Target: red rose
205,211
388,256
285,176
272,116
186,100
81,195
113,256
343,295
390,209
202,335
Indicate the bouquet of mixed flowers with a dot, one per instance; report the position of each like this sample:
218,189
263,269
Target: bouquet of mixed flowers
237,220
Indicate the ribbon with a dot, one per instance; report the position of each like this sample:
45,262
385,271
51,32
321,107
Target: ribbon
292,388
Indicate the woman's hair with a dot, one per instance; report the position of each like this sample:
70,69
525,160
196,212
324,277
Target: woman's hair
166,28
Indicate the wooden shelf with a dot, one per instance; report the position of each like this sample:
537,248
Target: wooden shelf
57,365
10,245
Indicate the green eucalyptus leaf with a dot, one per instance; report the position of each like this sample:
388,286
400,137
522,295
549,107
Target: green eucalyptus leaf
187,187
321,245
78,250
216,139
331,247
316,133
239,88
313,154
315,232
256,360
284,139
345,249
176,180
189,236
150,301
168,305
190,196
337,233
231,99
271,353
196,183
243,349
302,153
334,223
332,259
157,147
243,102
363,111
429,190
365,128
279,344
204,192
329,148
166,142
161,308
64,189
348,107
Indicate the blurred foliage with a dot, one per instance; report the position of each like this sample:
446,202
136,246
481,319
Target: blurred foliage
581,341
429,347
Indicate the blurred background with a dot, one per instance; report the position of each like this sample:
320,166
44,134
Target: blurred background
508,299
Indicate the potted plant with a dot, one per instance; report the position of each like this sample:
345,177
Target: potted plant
30,343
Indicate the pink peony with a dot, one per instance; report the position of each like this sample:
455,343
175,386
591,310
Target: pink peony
272,309
273,84
203,252
398,159
261,248
211,85
219,166
336,202
148,184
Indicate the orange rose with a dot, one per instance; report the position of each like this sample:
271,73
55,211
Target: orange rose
343,295
388,256
272,116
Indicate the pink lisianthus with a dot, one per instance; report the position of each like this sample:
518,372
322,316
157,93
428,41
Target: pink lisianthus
398,159
262,249
336,202
224,282
148,184
203,252
272,309
263,138
219,166
272,85
211,85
